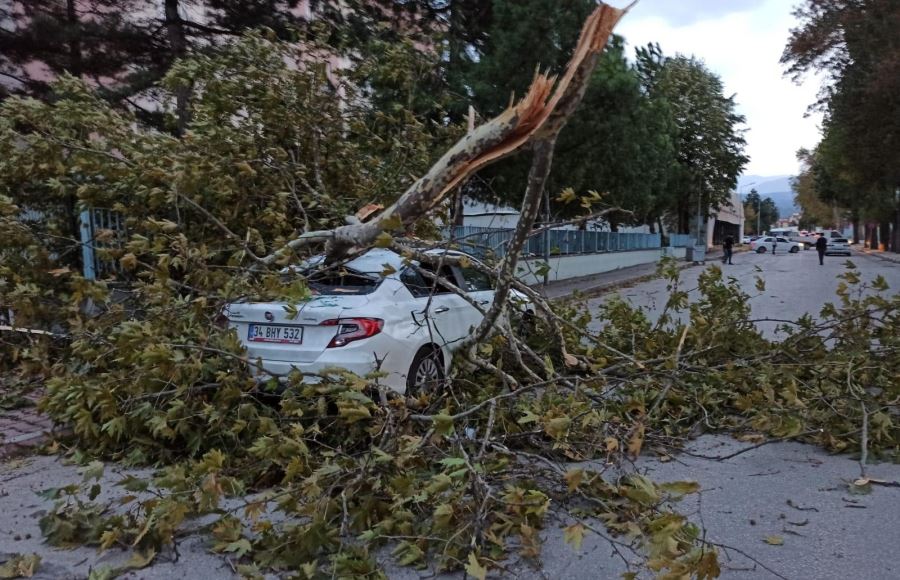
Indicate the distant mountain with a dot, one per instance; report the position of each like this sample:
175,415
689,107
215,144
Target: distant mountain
778,187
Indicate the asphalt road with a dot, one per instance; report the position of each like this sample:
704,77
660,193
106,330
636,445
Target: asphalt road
795,284
797,493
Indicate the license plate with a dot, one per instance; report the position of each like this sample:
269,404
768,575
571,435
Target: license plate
275,333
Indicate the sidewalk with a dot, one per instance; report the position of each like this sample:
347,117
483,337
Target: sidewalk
599,283
881,255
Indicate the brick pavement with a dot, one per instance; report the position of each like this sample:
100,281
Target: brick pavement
23,430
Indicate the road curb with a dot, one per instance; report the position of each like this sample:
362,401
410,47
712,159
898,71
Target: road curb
878,254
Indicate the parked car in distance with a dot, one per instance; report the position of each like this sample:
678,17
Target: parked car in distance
807,239
837,246
377,309
749,239
763,245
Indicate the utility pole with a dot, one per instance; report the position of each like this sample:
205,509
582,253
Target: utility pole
758,213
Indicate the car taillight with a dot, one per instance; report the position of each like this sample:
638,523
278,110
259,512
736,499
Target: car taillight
351,329
221,320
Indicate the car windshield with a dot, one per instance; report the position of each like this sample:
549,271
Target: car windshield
342,282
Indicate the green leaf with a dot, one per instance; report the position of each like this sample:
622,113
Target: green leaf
443,424
238,548
677,489
452,462
94,470
384,240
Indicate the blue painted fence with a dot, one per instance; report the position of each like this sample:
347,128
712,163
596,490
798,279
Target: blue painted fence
482,241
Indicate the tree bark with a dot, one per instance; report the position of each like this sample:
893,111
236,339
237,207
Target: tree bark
884,235
895,239
178,46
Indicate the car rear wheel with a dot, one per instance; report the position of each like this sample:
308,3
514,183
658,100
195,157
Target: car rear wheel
426,373
761,250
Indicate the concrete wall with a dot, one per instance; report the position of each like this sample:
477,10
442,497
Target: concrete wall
565,267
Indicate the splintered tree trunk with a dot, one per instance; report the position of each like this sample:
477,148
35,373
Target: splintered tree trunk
535,120
178,46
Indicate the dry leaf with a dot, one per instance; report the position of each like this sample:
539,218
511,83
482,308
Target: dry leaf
775,541
368,211
636,442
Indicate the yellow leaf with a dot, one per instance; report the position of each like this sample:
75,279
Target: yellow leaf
636,442
574,478
567,195
20,566
474,568
612,444
775,541
245,168
574,535
141,559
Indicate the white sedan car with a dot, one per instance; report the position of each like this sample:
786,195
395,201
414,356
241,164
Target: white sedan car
376,312
837,246
776,243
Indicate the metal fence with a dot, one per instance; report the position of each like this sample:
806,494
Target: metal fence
680,240
483,241
101,229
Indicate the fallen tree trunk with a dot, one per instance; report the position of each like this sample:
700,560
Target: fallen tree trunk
538,117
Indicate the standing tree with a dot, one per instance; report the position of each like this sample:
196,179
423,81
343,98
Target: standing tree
709,144
760,213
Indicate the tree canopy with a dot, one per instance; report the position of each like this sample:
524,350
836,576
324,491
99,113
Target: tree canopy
853,43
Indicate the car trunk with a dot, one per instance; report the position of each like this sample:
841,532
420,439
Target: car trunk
282,344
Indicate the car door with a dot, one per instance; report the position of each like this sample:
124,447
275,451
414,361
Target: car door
448,315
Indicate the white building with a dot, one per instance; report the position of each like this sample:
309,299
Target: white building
727,221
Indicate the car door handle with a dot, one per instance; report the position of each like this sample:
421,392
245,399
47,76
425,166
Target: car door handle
441,309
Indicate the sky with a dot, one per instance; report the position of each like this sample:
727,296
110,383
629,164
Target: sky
741,41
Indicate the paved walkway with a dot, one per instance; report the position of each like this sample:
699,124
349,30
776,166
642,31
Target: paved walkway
600,283
23,429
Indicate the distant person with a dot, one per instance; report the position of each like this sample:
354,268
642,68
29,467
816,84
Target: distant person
774,245
821,246
728,247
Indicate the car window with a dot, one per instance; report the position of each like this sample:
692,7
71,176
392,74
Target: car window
476,281
782,240
414,282
420,285
769,240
